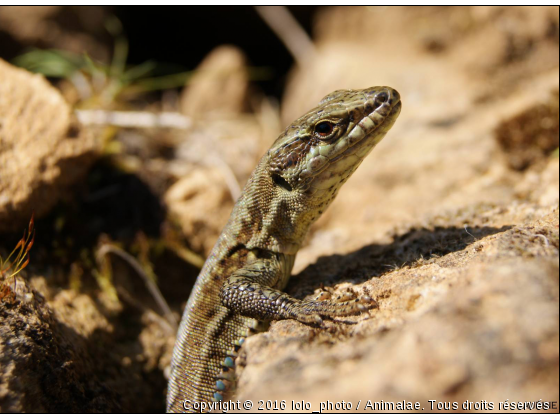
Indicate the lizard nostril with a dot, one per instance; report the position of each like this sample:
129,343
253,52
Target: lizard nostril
382,97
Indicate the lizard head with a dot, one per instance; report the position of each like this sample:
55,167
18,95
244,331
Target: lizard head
302,172
320,150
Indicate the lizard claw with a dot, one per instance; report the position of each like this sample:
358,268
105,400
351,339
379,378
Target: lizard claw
314,319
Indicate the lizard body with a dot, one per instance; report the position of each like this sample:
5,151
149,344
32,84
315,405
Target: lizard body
242,279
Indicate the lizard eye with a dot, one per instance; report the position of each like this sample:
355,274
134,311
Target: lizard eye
324,128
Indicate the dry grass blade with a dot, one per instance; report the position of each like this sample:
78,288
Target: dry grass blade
22,259
134,119
289,31
150,285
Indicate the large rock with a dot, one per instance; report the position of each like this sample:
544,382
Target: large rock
45,365
220,84
459,250
43,149
195,196
460,318
67,352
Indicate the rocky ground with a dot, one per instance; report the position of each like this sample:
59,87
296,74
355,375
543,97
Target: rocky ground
451,224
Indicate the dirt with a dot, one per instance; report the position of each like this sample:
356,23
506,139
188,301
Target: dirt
451,225
533,134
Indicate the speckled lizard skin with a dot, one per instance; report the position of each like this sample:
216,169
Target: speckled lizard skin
242,279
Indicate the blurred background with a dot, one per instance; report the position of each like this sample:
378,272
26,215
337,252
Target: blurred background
127,134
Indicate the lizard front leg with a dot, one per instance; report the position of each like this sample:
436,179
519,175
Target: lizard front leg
250,291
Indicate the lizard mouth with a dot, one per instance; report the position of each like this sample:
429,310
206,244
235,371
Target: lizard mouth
371,129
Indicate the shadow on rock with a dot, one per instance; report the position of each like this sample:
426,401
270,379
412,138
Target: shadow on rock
374,260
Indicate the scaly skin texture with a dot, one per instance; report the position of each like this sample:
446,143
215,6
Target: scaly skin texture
242,279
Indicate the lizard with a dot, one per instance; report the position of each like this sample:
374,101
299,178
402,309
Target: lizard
242,280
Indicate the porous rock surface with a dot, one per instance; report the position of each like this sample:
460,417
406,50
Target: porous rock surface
43,148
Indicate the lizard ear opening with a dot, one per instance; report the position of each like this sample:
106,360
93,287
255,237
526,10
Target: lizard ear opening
281,182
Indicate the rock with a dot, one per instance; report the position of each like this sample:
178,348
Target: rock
532,135
442,154
478,322
540,184
459,250
192,199
211,165
219,84
44,365
71,353
43,149
356,48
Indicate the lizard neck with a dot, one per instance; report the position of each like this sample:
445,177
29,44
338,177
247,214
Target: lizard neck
267,217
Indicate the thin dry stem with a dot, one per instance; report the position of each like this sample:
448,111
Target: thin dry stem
133,119
287,28
150,285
